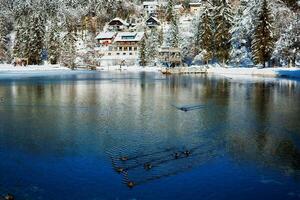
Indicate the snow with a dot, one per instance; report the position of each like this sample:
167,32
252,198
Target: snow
10,68
265,72
133,68
230,72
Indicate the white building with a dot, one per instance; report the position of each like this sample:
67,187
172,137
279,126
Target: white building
123,50
150,7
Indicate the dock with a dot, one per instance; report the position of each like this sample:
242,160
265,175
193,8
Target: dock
184,70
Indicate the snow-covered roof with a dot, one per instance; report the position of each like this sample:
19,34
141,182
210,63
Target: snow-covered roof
152,3
120,20
157,20
196,4
129,36
105,35
179,6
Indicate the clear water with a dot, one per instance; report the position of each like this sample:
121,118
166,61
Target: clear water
62,136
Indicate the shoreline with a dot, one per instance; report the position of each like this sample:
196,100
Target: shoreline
44,70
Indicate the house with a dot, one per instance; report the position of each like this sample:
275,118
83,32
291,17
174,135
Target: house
150,8
117,24
105,38
195,7
152,22
170,57
123,50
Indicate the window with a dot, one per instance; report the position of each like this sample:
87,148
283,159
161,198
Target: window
128,37
125,48
130,48
120,48
118,54
135,48
130,54
110,48
124,54
109,54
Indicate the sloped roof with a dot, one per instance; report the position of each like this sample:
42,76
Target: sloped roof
120,20
157,20
105,35
129,36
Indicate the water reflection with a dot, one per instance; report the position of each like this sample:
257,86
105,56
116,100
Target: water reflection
128,114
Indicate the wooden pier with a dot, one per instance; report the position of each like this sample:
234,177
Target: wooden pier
184,70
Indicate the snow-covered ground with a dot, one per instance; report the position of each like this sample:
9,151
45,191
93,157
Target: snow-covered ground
265,72
30,68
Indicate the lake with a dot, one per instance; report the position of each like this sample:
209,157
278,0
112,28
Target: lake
122,135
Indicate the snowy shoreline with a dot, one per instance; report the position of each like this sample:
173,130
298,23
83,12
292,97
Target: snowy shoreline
281,72
7,70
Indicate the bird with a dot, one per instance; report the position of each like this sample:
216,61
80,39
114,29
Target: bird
148,166
119,169
176,155
124,158
130,184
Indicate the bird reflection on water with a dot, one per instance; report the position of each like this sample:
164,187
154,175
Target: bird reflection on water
138,169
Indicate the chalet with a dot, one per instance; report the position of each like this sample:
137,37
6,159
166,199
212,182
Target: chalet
195,7
150,8
117,24
123,50
152,22
170,57
105,38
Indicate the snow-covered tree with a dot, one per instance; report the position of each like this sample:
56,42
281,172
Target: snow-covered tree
143,50
36,37
173,33
54,42
263,40
68,54
287,48
170,11
152,45
240,53
21,43
4,49
206,35
223,23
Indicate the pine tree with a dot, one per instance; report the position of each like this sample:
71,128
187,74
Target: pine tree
169,10
174,33
36,37
263,41
223,23
90,56
68,54
142,50
3,40
206,35
152,45
287,48
239,53
54,42
21,43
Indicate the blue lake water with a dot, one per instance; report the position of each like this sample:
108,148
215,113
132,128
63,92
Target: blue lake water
64,137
